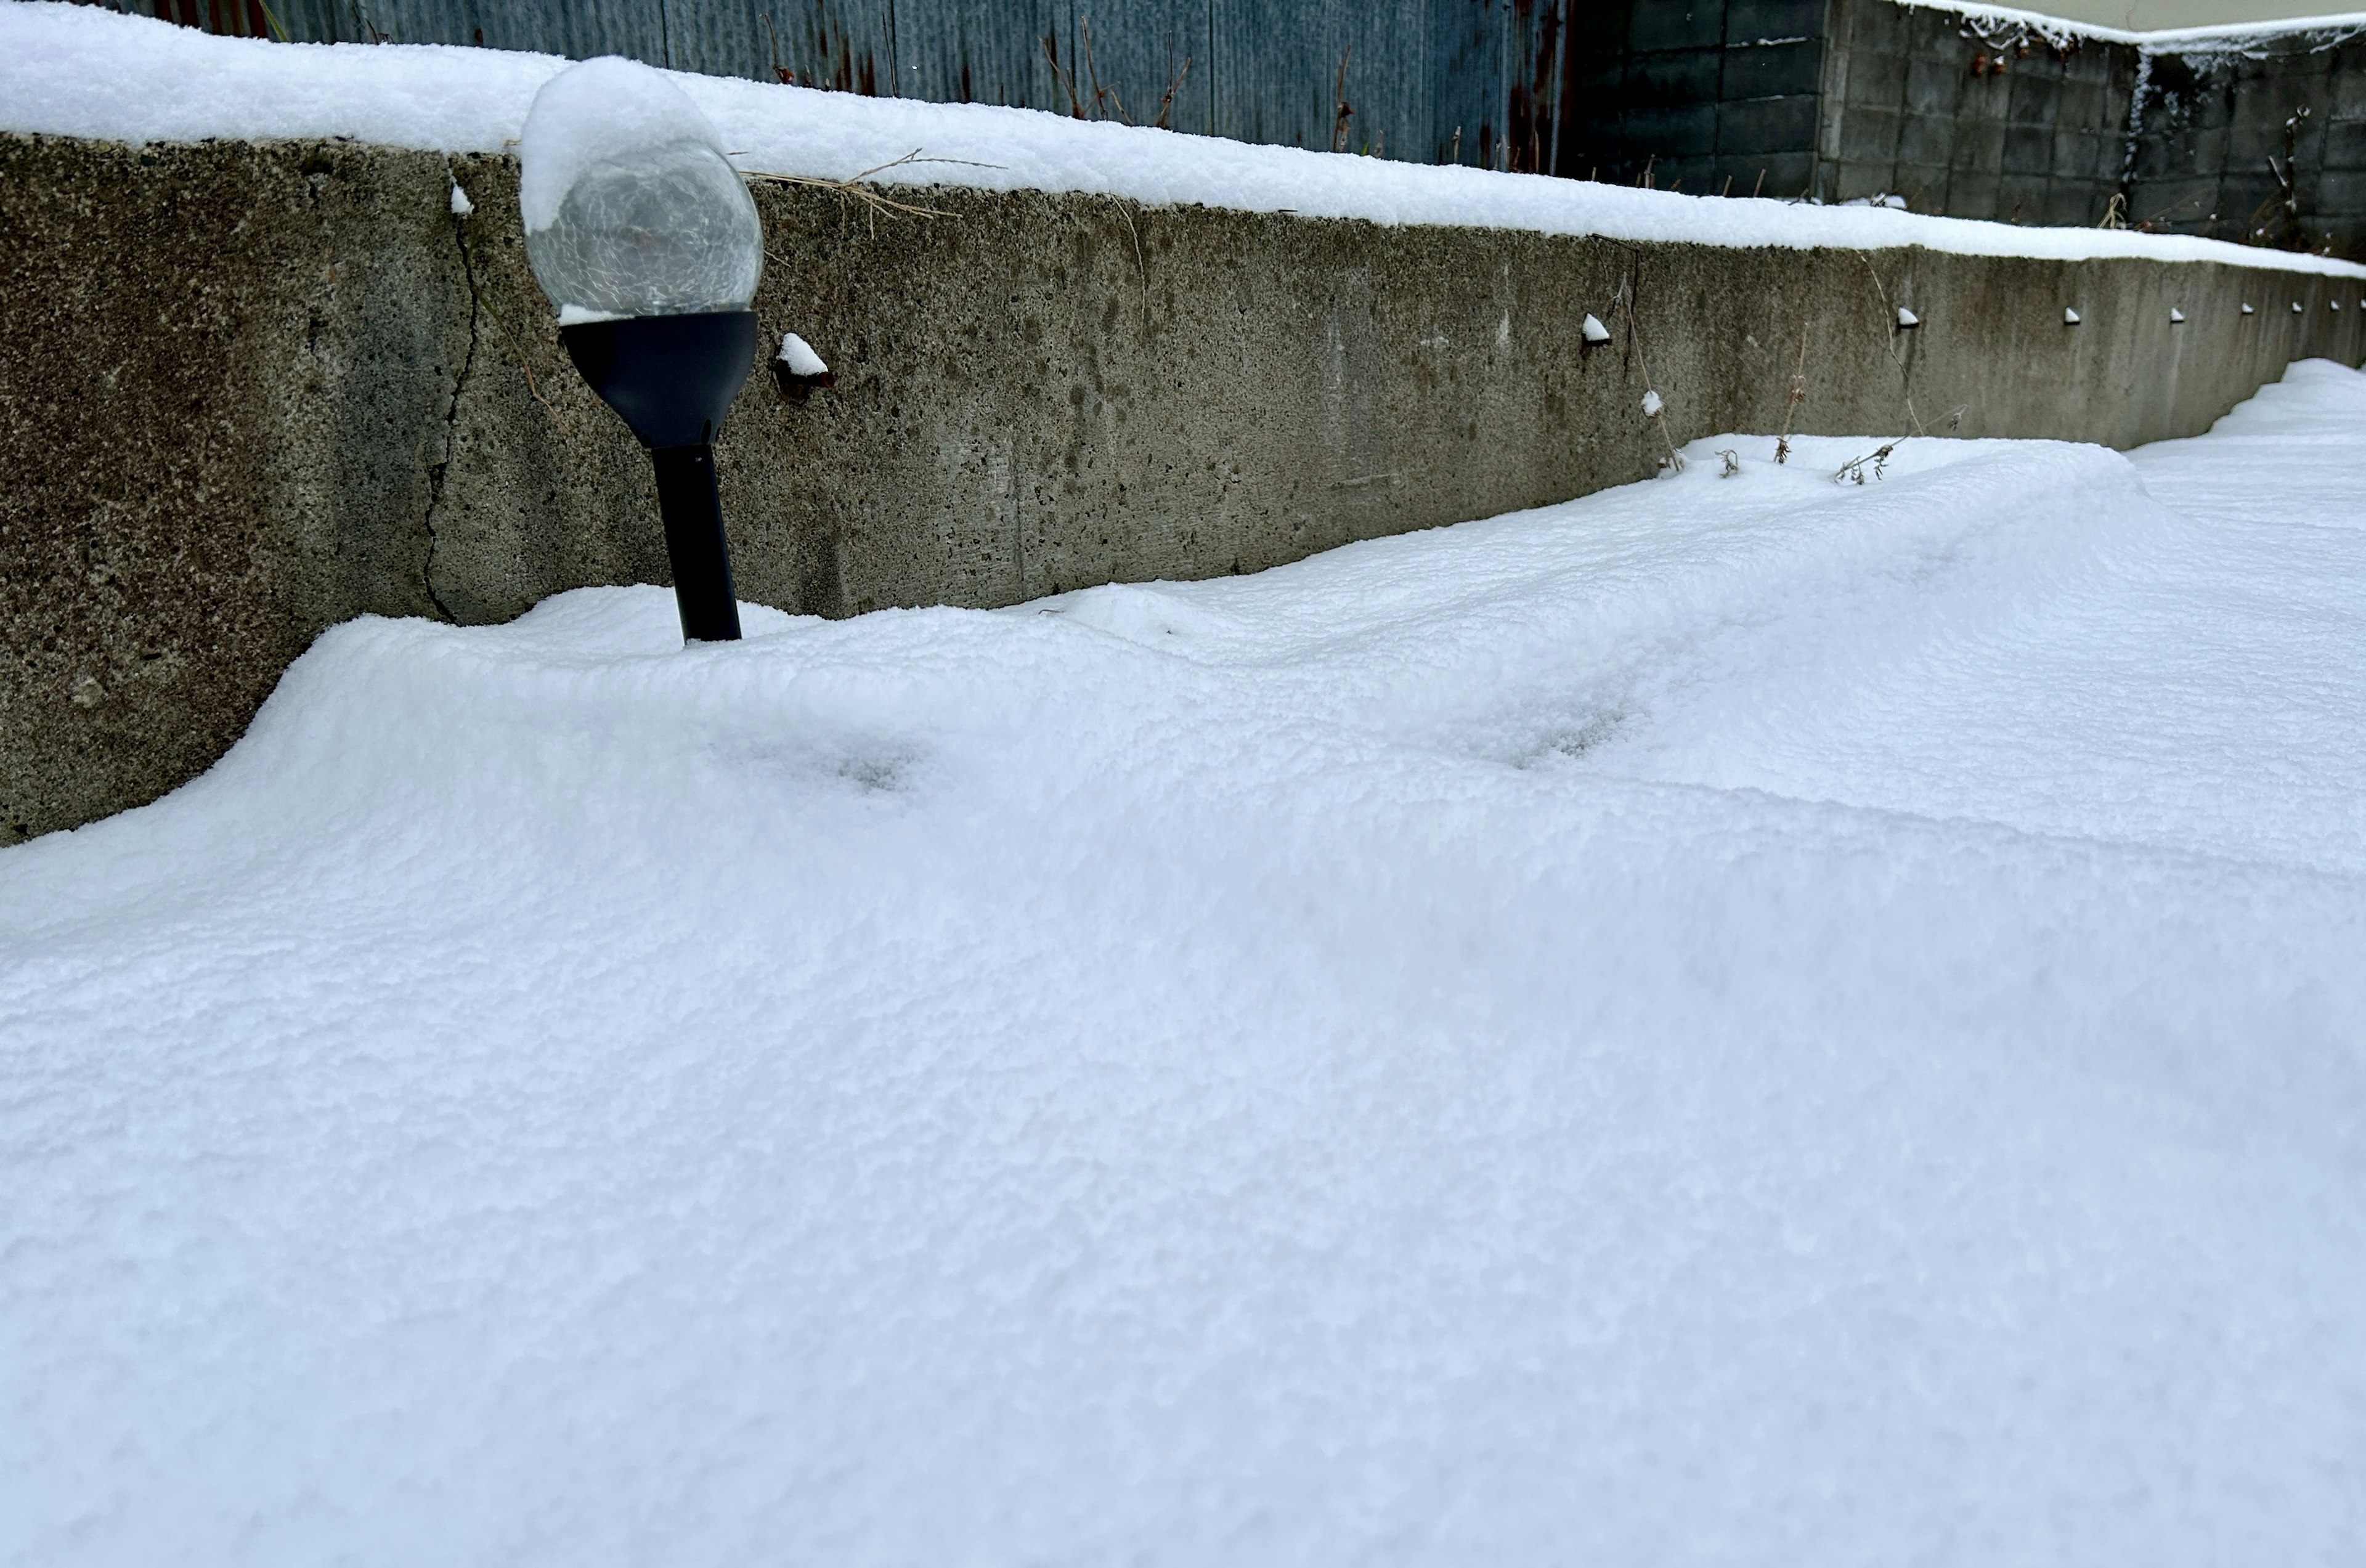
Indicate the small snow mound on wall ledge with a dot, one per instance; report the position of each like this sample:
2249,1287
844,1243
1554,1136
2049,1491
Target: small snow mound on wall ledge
78,71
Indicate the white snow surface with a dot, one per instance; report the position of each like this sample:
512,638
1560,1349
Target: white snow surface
1733,1021
81,71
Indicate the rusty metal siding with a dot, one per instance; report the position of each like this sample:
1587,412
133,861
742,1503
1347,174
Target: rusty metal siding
1427,81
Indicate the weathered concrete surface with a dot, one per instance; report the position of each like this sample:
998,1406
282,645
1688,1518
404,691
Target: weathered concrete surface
249,390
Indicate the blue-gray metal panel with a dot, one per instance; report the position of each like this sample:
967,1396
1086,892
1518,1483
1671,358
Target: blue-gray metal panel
845,45
983,51
1122,55
1470,88
1258,70
1277,78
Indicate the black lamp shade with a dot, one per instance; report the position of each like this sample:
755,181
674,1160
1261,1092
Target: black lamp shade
670,376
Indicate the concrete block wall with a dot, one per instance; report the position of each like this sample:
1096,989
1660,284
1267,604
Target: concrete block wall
249,390
2215,126
1707,97
1970,117
1973,116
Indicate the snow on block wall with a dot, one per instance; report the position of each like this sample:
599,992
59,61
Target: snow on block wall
79,71
259,388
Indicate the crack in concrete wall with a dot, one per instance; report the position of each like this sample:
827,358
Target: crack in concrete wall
438,471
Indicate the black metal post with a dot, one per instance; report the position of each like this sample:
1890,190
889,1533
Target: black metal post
693,511
672,378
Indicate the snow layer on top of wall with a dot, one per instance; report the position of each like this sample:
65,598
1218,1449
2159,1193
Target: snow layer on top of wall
2164,40
77,71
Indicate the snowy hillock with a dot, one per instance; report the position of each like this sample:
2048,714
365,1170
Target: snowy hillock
81,71
1743,1018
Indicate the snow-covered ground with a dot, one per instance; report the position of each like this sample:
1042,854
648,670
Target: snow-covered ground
1739,1020
80,70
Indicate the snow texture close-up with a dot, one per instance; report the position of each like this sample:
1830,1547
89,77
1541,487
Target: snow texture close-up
1737,1020
74,70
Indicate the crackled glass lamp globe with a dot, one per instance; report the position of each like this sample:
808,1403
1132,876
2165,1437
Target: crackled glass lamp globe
648,244
630,207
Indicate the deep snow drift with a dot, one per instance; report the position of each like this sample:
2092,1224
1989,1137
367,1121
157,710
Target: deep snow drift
1737,1020
75,70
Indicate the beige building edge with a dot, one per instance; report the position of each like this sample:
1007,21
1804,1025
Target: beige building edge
249,390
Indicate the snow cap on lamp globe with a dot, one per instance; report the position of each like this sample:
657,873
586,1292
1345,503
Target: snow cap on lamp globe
631,208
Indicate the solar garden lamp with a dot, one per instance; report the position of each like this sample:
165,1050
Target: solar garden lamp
645,239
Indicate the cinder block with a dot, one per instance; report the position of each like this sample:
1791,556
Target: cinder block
1932,88
2248,143
1748,21
1855,180
1972,193
1926,139
1670,132
1768,71
1869,136
2342,191
1600,29
1877,80
2090,62
2212,108
1984,97
1788,173
1674,79
2207,152
1979,144
2033,95
1879,28
1676,24
2086,105
1694,175
2020,198
2110,154
2079,154
1924,186
1592,77
2071,204
1931,33
2349,84
2345,144
2028,150
2068,156
1764,127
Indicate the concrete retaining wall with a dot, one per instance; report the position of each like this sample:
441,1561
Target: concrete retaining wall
249,390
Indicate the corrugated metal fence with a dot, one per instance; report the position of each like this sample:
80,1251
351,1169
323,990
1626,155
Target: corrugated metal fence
1432,81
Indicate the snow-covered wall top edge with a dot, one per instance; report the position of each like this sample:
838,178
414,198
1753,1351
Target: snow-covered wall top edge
78,71
2162,40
